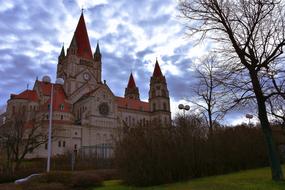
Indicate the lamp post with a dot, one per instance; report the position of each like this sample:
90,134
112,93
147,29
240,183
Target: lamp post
249,117
61,82
184,108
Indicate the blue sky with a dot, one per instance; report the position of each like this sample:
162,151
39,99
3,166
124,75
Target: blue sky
131,33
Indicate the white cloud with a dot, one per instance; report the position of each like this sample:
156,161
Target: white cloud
85,4
6,5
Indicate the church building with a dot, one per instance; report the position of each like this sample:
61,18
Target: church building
85,111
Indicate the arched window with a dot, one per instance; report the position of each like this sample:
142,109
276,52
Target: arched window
164,106
154,106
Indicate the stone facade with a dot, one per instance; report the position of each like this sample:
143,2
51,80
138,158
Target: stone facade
85,112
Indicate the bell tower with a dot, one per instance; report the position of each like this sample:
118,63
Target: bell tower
80,70
159,97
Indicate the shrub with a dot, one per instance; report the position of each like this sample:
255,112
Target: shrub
86,179
44,186
64,180
155,154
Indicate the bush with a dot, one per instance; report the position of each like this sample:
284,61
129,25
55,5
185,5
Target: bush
64,180
86,179
155,154
44,186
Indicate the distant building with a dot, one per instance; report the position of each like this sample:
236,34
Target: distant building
86,113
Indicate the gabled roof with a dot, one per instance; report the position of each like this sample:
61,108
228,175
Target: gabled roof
30,95
157,72
82,40
132,104
131,83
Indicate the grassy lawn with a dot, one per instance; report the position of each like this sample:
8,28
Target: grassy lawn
258,179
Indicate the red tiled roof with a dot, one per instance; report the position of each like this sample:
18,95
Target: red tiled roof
132,104
82,40
131,83
59,97
27,95
157,72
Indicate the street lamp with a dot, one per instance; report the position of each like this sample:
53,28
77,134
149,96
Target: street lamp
184,108
59,81
249,117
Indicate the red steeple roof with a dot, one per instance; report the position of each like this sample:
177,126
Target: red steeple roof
82,40
131,83
157,72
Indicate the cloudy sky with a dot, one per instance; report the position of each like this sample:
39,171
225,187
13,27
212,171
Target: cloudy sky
131,33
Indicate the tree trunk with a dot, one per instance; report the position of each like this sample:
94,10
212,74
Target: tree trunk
265,125
210,121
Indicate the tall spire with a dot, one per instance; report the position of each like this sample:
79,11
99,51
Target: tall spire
82,40
157,72
131,83
97,54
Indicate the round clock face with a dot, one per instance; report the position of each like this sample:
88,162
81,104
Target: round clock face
104,109
86,76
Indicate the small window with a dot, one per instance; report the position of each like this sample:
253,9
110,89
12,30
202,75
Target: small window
59,143
61,117
46,146
154,106
63,144
75,133
47,116
61,106
48,106
75,147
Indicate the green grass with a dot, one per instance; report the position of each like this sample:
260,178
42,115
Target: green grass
258,179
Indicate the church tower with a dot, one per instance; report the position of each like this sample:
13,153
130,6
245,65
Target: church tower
132,91
159,97
80,70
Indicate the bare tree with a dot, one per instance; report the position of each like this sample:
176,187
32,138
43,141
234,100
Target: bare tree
19,137
250,37
208,99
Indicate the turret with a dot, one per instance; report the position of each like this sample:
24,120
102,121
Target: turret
97,54
61,58
132,91
61,55
159,97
